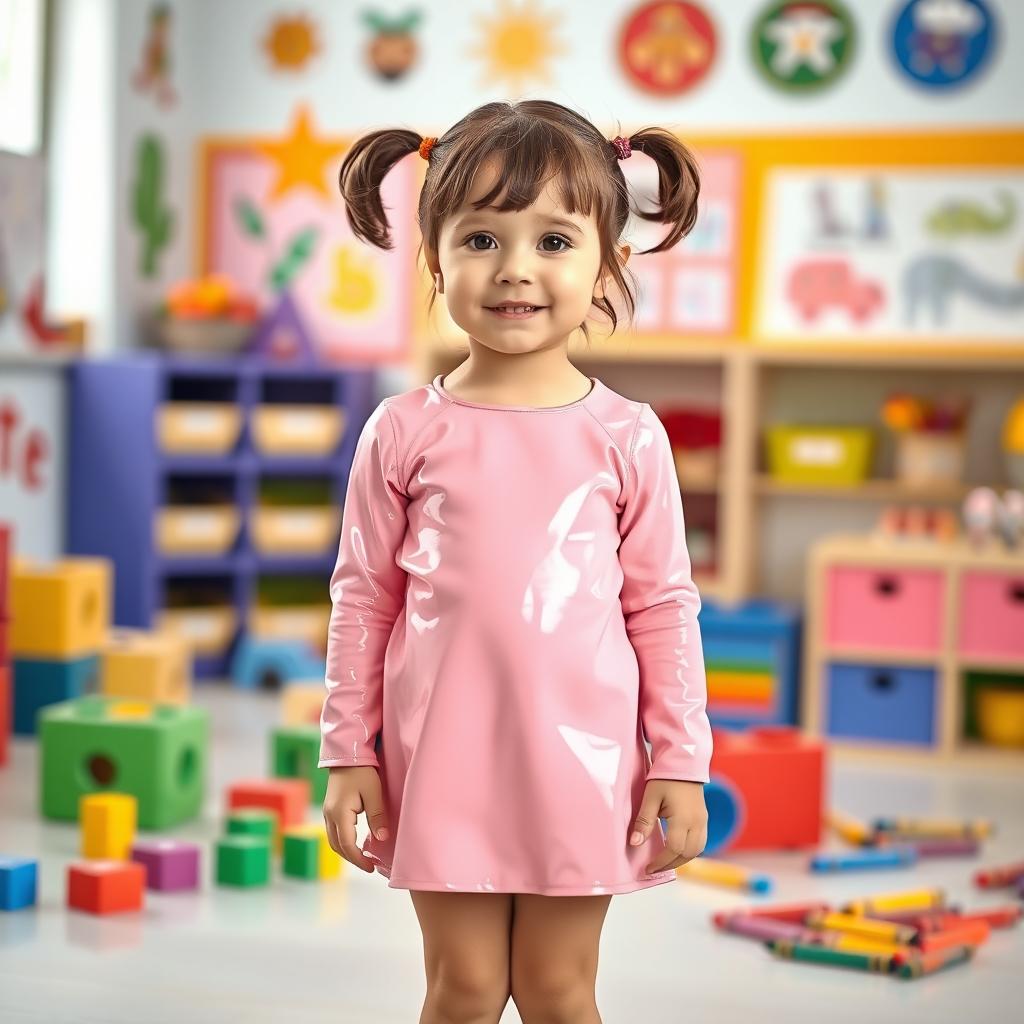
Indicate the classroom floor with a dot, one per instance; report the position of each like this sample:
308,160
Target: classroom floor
350,950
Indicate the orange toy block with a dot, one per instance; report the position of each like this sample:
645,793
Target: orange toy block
287,798
767,789
106,886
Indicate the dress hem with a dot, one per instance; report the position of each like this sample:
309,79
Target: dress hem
527,888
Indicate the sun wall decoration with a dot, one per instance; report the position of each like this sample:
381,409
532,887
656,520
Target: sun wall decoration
291,43
518,44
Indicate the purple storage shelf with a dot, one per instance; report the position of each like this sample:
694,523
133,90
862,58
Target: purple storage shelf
118,478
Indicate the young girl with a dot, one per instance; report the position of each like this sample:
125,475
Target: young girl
513,610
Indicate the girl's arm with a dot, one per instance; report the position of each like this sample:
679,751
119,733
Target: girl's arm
660,604
367,594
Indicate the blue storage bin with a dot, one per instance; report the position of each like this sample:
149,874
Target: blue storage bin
881,702
756,639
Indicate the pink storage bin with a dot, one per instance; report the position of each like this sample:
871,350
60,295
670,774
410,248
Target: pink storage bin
884,609
992,614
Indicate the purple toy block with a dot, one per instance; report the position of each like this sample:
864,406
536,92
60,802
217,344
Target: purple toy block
171,866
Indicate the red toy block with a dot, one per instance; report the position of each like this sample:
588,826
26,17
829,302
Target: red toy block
287,798
106,886
767,789
5,575
5,710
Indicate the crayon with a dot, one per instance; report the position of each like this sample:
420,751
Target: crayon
855,832
764,928
913,899
922,920
897,856
787,949
934,828
857,944
999,877
973,934
929,963
996,917
718,872
945,847
793,912
865,927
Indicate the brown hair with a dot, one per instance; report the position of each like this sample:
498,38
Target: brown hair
532,141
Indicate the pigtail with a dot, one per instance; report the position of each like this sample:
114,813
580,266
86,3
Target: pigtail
678,184
363,170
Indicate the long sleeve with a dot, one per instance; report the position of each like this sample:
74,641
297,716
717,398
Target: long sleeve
367,593
660,603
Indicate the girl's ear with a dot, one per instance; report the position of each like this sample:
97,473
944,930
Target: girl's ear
602,281
434,266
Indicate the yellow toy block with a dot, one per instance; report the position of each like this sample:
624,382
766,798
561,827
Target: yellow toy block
108,823
302,703
62,610
148,666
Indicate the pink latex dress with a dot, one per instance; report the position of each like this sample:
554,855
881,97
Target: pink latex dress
513,611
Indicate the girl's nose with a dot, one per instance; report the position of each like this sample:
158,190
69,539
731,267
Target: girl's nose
515,267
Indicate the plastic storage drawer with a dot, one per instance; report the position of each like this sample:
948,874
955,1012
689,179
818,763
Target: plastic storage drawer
992,614
881,703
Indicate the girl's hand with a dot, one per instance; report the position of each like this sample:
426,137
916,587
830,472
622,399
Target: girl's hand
351,789
682,805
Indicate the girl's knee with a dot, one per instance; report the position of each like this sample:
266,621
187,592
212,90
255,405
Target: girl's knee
553,998
462,995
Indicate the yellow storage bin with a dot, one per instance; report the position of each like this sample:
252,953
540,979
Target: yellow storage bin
197,529
823,455
60,610
297,429
292,622
306,529
206,630
1000,712
302,703
149,666
198,428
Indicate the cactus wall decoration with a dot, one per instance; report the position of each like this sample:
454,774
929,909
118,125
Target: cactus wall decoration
154,220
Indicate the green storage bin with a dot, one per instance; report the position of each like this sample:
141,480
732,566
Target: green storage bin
839,456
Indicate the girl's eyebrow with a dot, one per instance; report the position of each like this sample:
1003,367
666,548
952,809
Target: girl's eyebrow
475,214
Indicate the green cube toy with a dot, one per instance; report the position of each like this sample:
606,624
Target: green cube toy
301,855
95,744
243,860
252,821
294,755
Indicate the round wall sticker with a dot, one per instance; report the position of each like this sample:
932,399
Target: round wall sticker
943,43
803,45
667,47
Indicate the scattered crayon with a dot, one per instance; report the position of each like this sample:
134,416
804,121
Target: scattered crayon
864,927
786,948
883,857
911,899
973,934
850,829
793,912
999,877
928,963
763,927
857,944
922,920
718,872
945,847
933,828
996,917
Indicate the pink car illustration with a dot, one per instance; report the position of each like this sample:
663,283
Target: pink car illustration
816,284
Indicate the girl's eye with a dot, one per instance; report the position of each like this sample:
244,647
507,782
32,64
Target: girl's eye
558,238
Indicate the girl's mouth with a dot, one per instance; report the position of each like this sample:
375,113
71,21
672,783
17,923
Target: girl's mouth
515,312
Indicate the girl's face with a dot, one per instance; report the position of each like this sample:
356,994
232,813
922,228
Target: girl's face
540,256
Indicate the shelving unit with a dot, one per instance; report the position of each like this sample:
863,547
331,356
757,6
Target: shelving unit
119,477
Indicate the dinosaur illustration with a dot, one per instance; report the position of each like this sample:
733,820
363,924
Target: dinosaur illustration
934,279
965,217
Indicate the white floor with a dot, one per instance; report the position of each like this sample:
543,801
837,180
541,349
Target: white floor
350,950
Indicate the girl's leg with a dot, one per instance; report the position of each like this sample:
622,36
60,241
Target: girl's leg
555,942
465,954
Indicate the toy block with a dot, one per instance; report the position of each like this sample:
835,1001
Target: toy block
19,882
5,639
108,822
40,682
5,711
287,798
155,752
295,751
302,702
146,666
171,865
252,821
5,571
243,860
269,664
766,790
308,853
106,886
60,611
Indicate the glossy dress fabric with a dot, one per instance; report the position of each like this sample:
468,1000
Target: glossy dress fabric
513,610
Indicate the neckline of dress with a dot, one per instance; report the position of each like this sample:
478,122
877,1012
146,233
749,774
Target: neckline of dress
438,385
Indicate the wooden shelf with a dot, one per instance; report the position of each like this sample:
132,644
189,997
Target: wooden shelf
877,489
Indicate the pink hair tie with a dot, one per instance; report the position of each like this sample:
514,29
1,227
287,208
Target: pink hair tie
622,146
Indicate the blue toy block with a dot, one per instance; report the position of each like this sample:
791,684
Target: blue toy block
18,882
39,682
273,663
